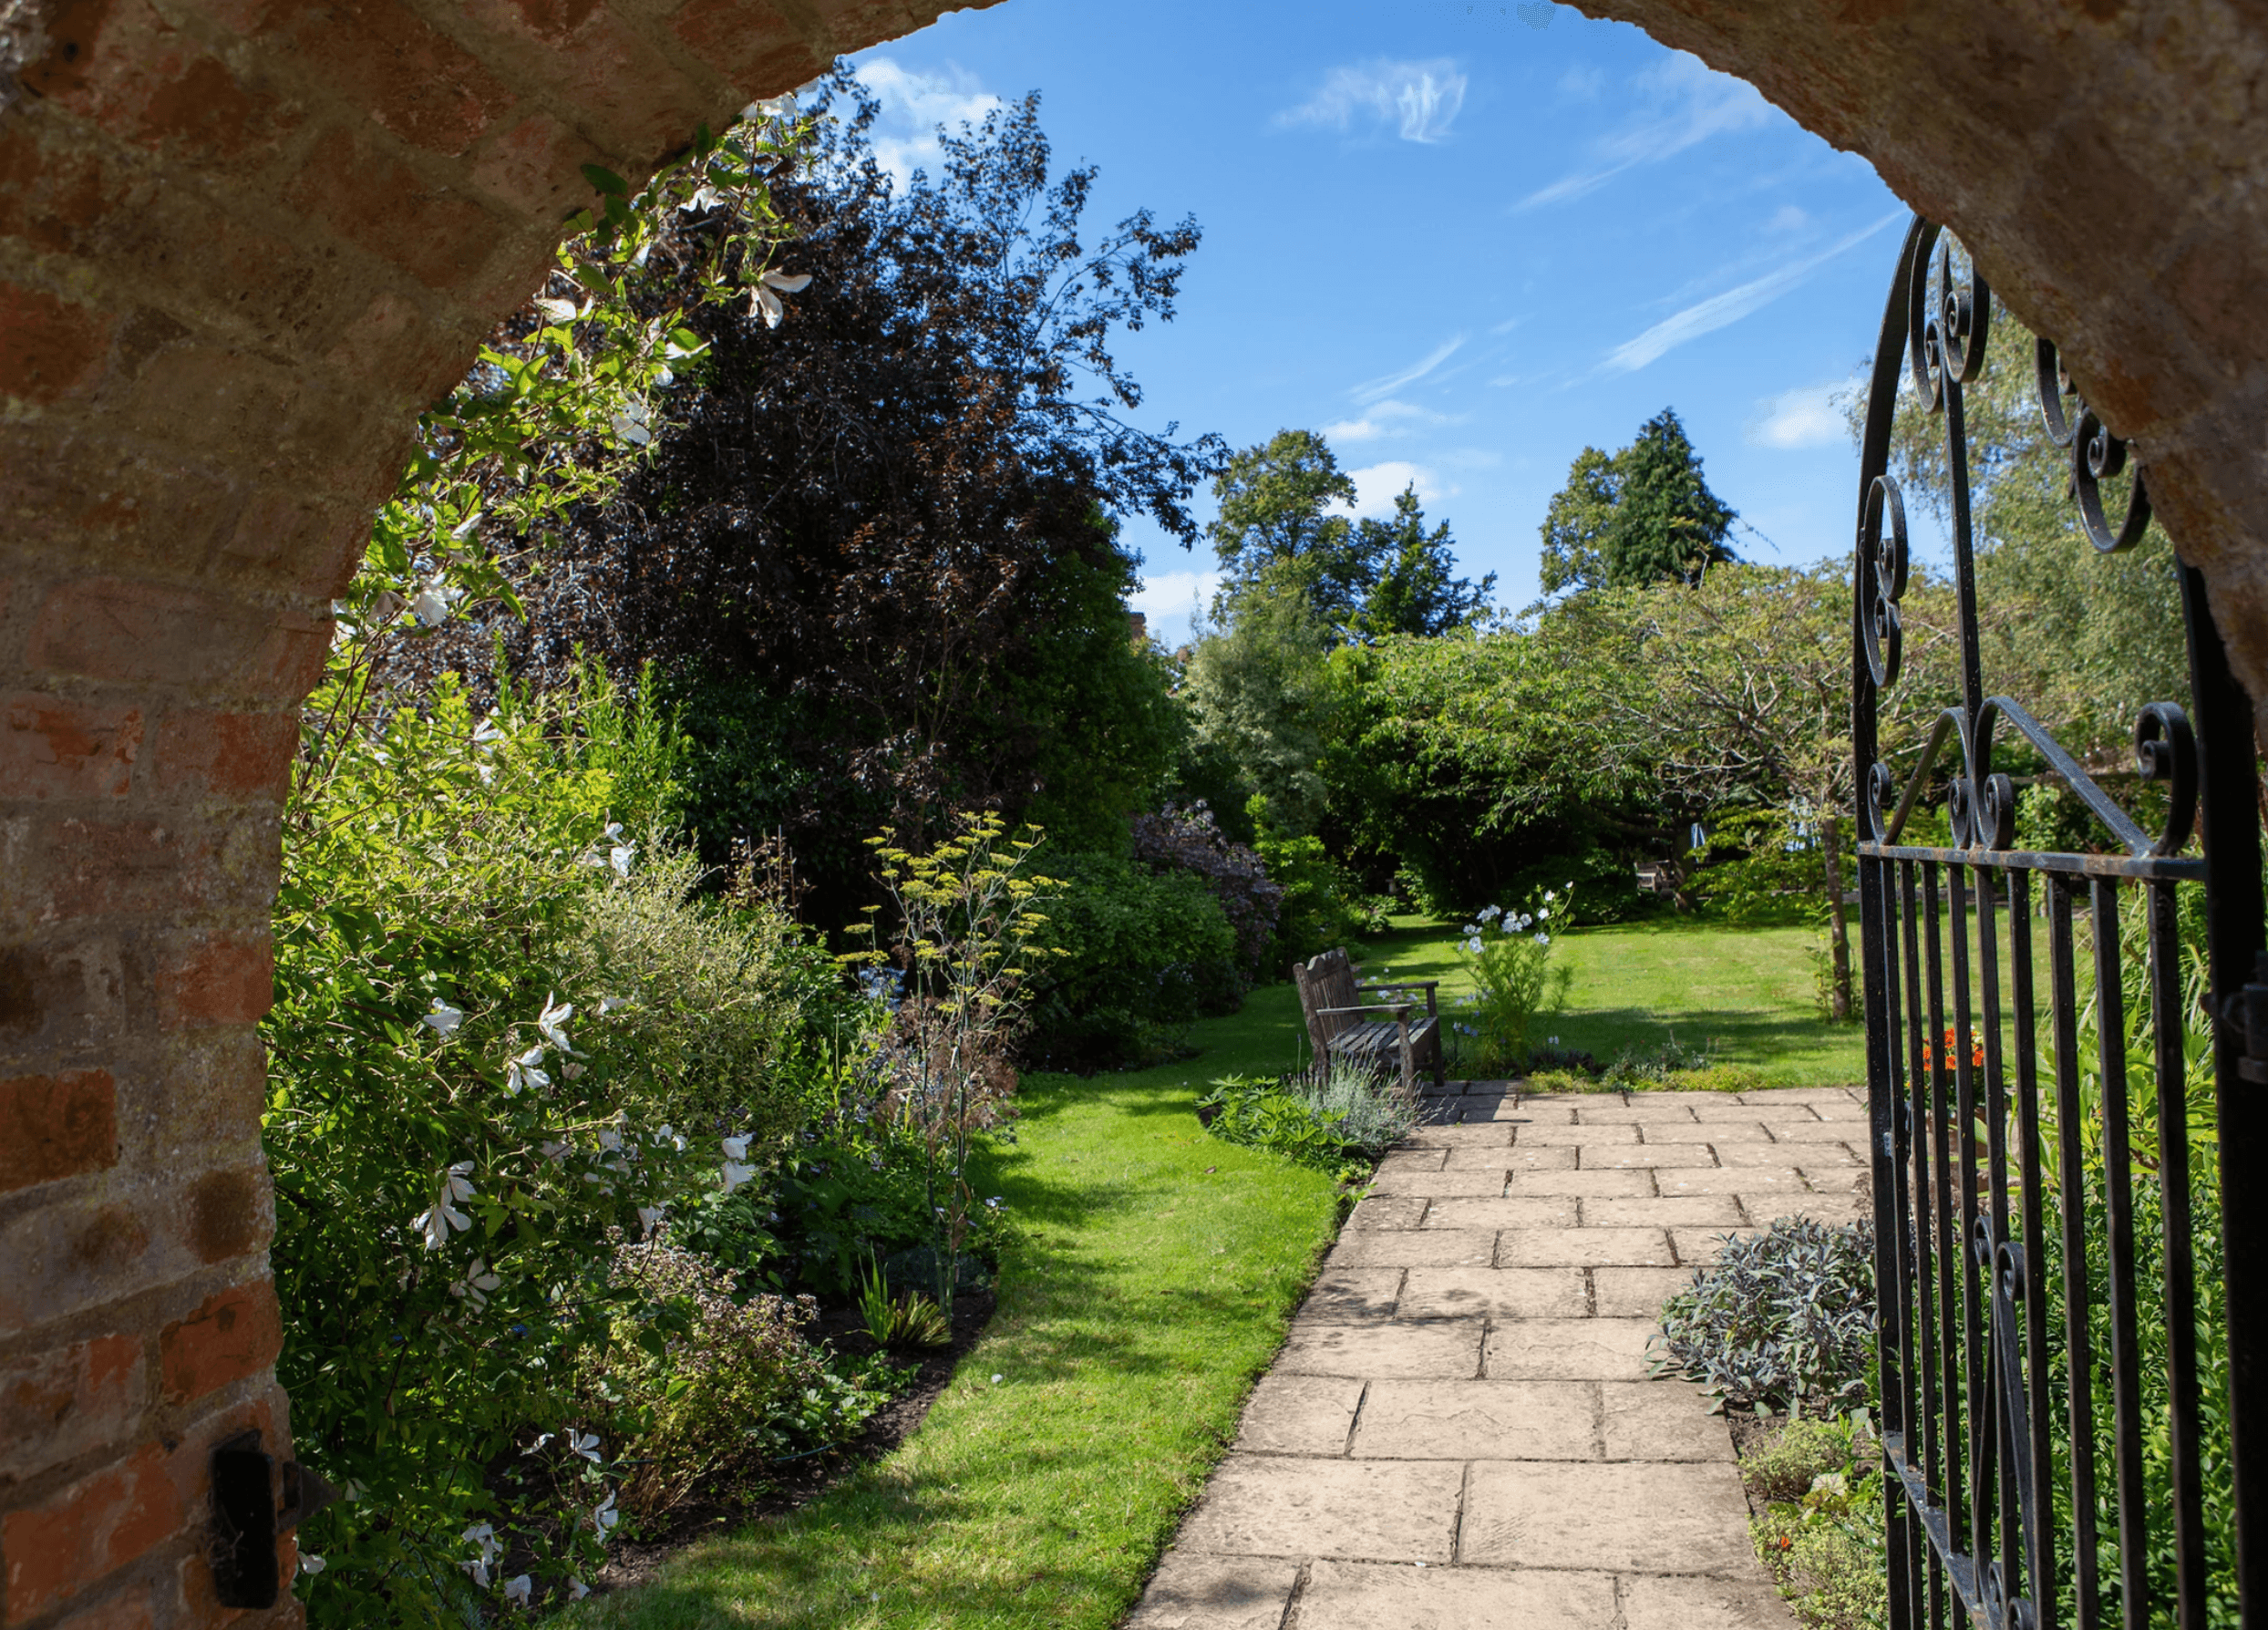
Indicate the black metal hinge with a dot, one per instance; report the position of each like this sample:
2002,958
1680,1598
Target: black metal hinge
247,1522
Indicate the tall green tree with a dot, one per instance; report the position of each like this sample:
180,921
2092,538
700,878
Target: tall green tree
1641,515
1414,589
1576,523
1276,525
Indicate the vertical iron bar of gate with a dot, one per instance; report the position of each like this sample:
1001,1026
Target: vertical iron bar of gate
1882,1109
2229,827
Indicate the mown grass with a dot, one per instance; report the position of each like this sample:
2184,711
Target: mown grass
1744,995
1154,1278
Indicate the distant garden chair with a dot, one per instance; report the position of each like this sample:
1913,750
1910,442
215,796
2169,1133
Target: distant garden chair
1381,1035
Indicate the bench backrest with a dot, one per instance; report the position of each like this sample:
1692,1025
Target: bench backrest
1326,981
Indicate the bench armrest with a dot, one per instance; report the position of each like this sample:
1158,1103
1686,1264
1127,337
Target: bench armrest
1399,1009
1400,984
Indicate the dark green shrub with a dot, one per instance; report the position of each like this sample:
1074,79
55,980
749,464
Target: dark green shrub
1142,954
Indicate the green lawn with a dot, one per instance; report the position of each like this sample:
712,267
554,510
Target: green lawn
1152,1283
1743,994
1154,1280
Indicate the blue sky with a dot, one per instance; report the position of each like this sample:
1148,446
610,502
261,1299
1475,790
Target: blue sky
1462,241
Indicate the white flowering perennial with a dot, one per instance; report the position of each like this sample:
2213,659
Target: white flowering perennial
490,1550
475,1286
443,1019
761,299
439,1220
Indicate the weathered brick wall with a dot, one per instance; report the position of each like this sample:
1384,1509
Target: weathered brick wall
241,243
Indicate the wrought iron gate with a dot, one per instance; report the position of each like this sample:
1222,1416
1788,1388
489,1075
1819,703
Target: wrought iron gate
2074,1333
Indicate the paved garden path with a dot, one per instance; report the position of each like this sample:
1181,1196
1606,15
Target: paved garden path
1459,1433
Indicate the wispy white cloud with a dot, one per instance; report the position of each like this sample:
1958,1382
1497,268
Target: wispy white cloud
1807,416
1787,218
1384,420
1378,390
1582,83
913,104
1685,103
1718,311
1417,99
1376,486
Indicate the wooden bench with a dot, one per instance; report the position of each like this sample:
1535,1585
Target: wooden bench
1382,1035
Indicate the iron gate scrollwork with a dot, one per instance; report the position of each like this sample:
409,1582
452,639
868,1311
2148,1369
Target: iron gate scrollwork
2018,1231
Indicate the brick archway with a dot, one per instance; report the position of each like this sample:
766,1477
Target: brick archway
241,242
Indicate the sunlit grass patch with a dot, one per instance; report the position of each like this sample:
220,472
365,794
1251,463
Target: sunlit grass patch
1154,1277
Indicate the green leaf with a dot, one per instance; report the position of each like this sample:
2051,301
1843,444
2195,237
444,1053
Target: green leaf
606,182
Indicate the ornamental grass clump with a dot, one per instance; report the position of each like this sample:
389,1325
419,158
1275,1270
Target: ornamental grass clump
1338,1118
1507,954
1784,1319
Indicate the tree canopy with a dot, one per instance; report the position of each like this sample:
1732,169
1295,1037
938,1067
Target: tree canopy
1641,515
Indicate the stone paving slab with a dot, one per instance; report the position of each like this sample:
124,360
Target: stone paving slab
1497,1294
1344,1295
1369,1510
1300,1415
1414,1248
1449,1349
1592,1349
1458,1420
1635,1292
1611,1157
1619,1517
1192,1592
1477,1180
1461,1431
1389,1211
1365,1596
1541,1212
1584,1248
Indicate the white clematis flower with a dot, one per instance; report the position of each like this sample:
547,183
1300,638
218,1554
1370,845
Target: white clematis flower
585,1444
736,1175
431,602
576,1589
630,425
650,1217
475,1286
553,1021
444,1019
309,1562
519,1590
736,1149
521,1072
443,1216
779,107
558,311
603,1519
761,299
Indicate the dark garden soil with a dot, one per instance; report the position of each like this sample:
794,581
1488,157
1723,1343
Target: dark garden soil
796,1482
